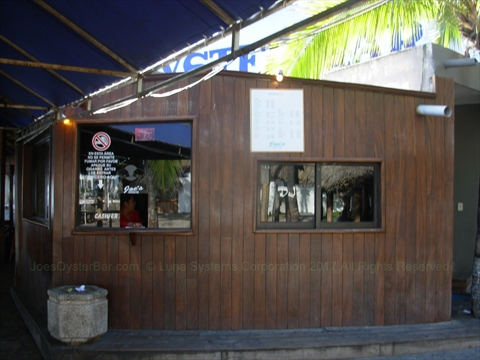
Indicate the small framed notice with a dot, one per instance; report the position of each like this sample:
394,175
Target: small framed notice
276,120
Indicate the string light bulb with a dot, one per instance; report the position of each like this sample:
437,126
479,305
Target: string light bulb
279,75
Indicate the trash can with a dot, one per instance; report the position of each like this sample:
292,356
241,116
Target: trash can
75,317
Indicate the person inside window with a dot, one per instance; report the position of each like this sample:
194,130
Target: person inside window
129,217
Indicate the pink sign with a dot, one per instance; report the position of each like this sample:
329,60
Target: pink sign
144,134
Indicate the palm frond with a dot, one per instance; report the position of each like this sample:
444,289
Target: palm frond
164,176
366,32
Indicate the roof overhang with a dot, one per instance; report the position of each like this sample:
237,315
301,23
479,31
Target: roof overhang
55,52
81,50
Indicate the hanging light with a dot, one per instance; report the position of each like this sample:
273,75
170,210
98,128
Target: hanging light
279,75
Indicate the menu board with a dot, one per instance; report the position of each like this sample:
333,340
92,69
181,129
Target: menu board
276,120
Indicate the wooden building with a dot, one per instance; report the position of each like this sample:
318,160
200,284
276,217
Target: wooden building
229,268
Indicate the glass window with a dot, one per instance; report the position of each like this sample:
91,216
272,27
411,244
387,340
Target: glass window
317,195
41,170
135,175
36,191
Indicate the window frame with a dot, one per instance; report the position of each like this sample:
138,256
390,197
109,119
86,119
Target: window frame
320,226
30,188
79,229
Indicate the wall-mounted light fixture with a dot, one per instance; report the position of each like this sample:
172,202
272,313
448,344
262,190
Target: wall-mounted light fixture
66,121
434,110
459,62
279,75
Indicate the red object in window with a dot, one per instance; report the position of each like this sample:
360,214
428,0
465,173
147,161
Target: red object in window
144,134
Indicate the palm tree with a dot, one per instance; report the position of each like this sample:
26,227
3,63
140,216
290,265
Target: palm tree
371,30
162,182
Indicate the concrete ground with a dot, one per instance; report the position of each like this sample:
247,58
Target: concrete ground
16,342
458,338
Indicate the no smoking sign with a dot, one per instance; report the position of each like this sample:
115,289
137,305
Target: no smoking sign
101,141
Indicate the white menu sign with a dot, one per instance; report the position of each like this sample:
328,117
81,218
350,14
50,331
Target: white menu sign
276,120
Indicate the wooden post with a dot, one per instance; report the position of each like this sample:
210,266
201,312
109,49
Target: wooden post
265,181
329,207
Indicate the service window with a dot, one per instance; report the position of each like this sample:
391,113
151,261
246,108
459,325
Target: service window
306,195
135,175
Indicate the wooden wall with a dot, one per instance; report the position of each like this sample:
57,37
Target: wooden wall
341,121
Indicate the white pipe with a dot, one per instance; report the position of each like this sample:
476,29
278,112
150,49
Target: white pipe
459,62
434,110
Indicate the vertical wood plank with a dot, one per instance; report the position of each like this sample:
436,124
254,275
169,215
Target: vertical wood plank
180,270
158,286
328,308
67,207
378,124
315,280
135,312
400,207
237,241
203,171
381,268
370,124
90,258
411,215
215,259
112,280
339,123
358,279
271,281
361,143
215,175
226,282
304,282
421,213
248,224
78,258
226,223
192,283
282,282
348,280
307,114
192,309
390,201
259,274
241,131
293,275
369,269
328,118
147,279
123,280
350,124
317,121
334,267
169,282
57,185
68,259
101,266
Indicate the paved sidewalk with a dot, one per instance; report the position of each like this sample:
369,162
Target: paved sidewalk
462,332
16,342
